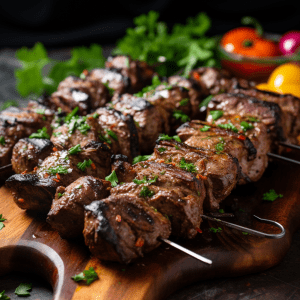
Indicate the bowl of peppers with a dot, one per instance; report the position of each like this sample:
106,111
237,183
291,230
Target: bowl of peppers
250,53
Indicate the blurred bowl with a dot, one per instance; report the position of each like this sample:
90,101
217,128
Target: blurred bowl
252,68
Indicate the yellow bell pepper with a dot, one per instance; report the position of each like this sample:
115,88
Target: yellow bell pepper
285,79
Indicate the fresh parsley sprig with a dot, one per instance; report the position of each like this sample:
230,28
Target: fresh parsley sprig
3,297
113,178
88,276
140,158
85,164
145,180
271,195
57,170
1,223
23,289
190,167
40,134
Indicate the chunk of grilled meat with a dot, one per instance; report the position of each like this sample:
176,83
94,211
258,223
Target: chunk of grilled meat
177,194
174,100
220,171
244,106
147,117
86,94
17,123
67,210
124,170
204,135
119,131
123,227
289,104
28,153
58,169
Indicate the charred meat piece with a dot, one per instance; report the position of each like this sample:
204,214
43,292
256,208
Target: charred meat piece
139,72
219,170
85,94
243,106
119,132
174,100
67,212
289,104
148,120
17,123
204,135
122,228
124,170
28,153
59,169
177,194
196,93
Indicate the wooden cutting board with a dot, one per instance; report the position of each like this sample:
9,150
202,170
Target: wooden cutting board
27,243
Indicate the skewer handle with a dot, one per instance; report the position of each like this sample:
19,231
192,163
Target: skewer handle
189,252
283,158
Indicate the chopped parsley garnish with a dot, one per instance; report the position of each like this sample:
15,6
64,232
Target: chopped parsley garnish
216,114
215,230
178,114
57,170
40,134
112,134
112,178
184,102
221,211
85,164
252,119
59,195
2,140
161,149
76,149
23,289
162,173
271,195
205,128
110,90
88,276
165,137
1,223
190,167
8,104
245,233
105,138
3,297
145,192
219,147
205,101
155,83
228,126
78,187
40,111
95,115
246,126
145,180
141,158
71,114
56,134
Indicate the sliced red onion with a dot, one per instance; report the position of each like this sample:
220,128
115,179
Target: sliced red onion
290,43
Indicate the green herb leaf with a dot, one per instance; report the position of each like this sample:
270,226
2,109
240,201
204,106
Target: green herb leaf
161,149
165,137
216,114
219,147
215,230
145,180
71,114
190,167
3,297
8,104
112,178
228,126
271,195
184,102
112,134
205,101
89,276
205,128
178,114
246,126
146,192
1,218
221,211
85,164
105,138
59,195
2,140
140,158
252,119
40,134
57,170
75,150
23,289
1,225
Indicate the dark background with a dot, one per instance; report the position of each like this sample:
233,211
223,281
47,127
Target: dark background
67,23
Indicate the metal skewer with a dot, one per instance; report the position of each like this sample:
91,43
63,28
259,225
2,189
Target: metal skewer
283,158
252,231
189,252
292,146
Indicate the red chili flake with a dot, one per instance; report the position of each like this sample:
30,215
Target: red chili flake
201,176
161,161
199,230
85,72
57,176
196,76
35,168
118,218
93,166
113,125
55,179
139,242
241,137
54,149
288,149
46,175
24,172
21,200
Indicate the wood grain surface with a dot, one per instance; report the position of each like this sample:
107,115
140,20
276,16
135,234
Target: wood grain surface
28,243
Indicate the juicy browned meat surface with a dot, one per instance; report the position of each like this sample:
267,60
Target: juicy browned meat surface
208,136
17,123
196,93
122,228
174,101
119,131
28,153
220,171
139,72
58,169
289,104
67,210
177,194
148,120
85,94
244,106
124,170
